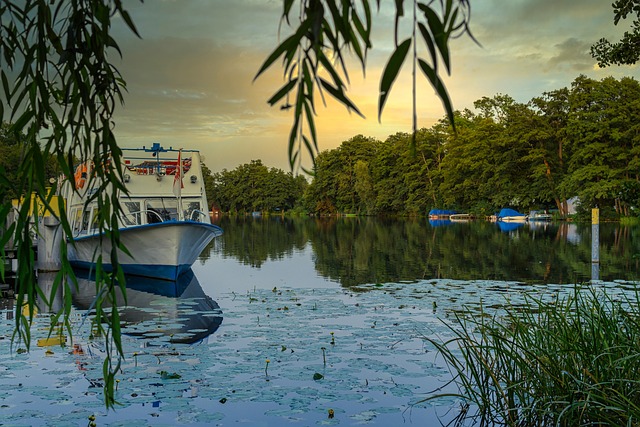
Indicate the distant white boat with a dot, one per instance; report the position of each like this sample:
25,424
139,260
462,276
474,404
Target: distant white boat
165,225
540,216
463,217
511,215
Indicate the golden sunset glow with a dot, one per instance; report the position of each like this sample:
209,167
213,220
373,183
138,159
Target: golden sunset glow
190,76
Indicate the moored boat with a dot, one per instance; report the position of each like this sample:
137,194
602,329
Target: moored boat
540,216
441,213
165,223
511,215
462,217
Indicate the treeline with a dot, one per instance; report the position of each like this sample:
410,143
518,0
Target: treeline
580,141
254,187
12,152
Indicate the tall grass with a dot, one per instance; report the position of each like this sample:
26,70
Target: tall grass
572,361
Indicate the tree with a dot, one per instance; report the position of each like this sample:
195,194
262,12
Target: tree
548,139
254,187
627,50
603,129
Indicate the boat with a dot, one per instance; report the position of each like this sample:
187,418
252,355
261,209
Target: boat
441,213
462,217
165,223
511,215
540,216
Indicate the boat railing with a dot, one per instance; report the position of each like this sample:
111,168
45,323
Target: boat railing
154,216
132,218
197,213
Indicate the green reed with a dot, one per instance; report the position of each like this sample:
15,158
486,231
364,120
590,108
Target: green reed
571,361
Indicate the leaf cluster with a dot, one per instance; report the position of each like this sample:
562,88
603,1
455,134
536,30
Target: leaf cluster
60,89
324,31
627,49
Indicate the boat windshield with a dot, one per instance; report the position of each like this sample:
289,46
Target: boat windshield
152,211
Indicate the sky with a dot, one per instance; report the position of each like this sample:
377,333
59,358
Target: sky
190,76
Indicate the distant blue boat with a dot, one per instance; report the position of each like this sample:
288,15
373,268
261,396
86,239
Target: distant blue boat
511,215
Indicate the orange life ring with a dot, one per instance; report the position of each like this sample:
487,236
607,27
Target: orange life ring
80,175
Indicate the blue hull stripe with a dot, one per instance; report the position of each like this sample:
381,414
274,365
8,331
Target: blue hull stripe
165,272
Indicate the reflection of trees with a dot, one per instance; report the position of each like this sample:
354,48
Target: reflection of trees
370,250
255,240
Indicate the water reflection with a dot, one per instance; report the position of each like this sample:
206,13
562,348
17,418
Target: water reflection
355,251
509,226
179,311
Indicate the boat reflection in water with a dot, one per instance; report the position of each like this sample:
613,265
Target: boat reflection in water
178,311
507,227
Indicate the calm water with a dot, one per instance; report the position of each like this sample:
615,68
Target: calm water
339,307
355,251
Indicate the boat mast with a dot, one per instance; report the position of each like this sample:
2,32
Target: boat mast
177,185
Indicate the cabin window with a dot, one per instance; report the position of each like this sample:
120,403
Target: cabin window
192,210
131,213
76,218
95,220
86,215
160,210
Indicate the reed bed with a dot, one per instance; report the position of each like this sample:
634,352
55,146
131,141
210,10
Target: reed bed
569,361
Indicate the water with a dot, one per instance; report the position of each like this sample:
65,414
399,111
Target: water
339,307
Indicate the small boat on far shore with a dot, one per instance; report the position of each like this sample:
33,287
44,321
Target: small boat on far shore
511,215
441,213
462,217
540,216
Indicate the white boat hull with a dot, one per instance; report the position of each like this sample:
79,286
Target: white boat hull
163,250
514,219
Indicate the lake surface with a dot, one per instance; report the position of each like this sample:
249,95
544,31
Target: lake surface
340,308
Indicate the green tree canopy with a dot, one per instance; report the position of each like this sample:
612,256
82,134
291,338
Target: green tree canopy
627,50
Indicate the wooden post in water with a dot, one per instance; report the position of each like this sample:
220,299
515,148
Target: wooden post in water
49,243
50,235
595,244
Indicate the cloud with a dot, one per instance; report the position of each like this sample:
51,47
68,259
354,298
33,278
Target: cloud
573,54
190,77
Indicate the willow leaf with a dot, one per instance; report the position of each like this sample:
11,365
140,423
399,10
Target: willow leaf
391,72
310,147
282,92
293,135
440,37
440,88
311,124
287,46
339,95
308,81
426,36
